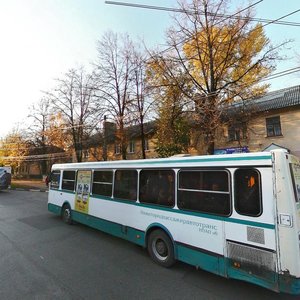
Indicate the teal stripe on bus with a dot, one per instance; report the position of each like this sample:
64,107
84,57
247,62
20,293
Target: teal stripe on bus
191,213
217,159
125,232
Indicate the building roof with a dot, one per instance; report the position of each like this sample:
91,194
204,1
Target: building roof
279,99
133,132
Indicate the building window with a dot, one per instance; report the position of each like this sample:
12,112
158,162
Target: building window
236,132
131,147
86,154
273,126
117,148
146,145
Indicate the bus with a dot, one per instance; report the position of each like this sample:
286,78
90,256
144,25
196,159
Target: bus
5,177
234,215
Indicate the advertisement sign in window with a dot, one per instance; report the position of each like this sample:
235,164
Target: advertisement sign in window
83,189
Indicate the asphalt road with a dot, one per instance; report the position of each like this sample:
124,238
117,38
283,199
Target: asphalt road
42,258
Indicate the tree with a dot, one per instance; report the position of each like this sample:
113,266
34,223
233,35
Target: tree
173,128
114,70
223,59
76,101
14,150
141,103
58,133
40,115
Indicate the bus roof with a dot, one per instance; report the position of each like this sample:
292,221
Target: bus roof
240,159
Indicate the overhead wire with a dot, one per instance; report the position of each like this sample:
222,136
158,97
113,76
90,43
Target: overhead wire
268,22
163,8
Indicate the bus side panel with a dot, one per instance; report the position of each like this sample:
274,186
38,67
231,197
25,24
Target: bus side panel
200,258
115,229
57,198
138,217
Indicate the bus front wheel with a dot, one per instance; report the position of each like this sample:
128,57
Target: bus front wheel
160,248
66,214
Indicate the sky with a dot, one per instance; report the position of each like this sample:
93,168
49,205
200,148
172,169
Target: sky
42,39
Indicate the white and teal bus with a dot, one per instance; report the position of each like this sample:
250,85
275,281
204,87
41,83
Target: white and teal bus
235,215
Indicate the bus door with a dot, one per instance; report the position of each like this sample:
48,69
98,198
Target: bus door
250,231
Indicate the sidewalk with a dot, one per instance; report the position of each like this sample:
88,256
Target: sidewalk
34,185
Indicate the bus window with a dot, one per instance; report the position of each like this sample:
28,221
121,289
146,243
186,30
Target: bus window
68,180
125,184
54,180
295,172
247,192
204,191
102,183
157,187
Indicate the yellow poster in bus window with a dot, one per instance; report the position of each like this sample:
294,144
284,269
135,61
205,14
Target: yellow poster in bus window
83,189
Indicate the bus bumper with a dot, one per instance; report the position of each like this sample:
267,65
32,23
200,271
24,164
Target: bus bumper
289,284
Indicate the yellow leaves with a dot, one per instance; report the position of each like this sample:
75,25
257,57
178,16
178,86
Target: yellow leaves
13,148
56,132
227,54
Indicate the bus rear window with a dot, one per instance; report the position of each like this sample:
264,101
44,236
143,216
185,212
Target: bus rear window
248,192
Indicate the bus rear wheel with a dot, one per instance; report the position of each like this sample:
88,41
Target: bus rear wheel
160,248
66,214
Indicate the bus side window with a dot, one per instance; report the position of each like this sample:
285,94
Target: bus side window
68,180
204,191
247,192
54,180
102,183
157,187
125,184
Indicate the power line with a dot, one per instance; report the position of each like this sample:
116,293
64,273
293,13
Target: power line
278,20
163,8
281,74
38,156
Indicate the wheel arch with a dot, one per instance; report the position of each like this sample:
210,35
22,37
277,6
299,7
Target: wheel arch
157,226
66,203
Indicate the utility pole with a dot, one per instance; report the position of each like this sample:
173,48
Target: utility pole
104,155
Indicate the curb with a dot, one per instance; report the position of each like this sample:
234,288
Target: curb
29,190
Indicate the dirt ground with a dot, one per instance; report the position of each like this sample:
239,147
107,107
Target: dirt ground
29,184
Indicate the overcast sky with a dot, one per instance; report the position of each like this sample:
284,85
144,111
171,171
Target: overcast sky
42,39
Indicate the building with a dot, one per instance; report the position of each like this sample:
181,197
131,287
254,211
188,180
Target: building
275,123
106,145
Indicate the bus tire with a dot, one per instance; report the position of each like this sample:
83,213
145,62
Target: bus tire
161,249
67,214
